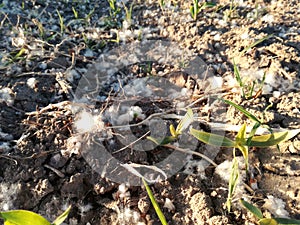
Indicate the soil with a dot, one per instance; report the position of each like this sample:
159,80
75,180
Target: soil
46,163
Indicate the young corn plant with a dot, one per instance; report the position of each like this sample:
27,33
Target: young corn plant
24,217
195,9
267,221
242,142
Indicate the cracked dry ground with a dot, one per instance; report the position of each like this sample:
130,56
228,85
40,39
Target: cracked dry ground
36,121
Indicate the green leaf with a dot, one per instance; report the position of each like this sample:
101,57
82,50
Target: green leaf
253,209
252,133
212,139
23,217
62,217
245,151
164,141
267,221
287,221
155,205
244,111
185,121
240,140
272,139
240,137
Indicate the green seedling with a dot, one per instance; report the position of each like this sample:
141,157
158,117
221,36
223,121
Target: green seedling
16,56
61,22
248,90
267,221
128,13
229,13
162,4
40,27
182,125
195,9
155,205
242,143
75,13
114,10
89,15
24,217
255,43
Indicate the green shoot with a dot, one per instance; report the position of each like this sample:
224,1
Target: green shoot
242,143
182,125
61,22
128,13
75,13
195,9
155,205
230,13
233,181
161,4
248,90
40,27
256,43
24,217
267,221
89,15
113,9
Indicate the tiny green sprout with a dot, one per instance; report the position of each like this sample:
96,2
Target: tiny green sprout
24,217
182,125
248,90
128,13
61,22
195,9
256,43
267,221
161,4
75,13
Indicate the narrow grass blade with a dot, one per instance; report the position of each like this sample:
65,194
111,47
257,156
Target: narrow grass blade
234,176
212,139
236,72
256,43
155,205
287,221
253,209
59,220
23,217
244,111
